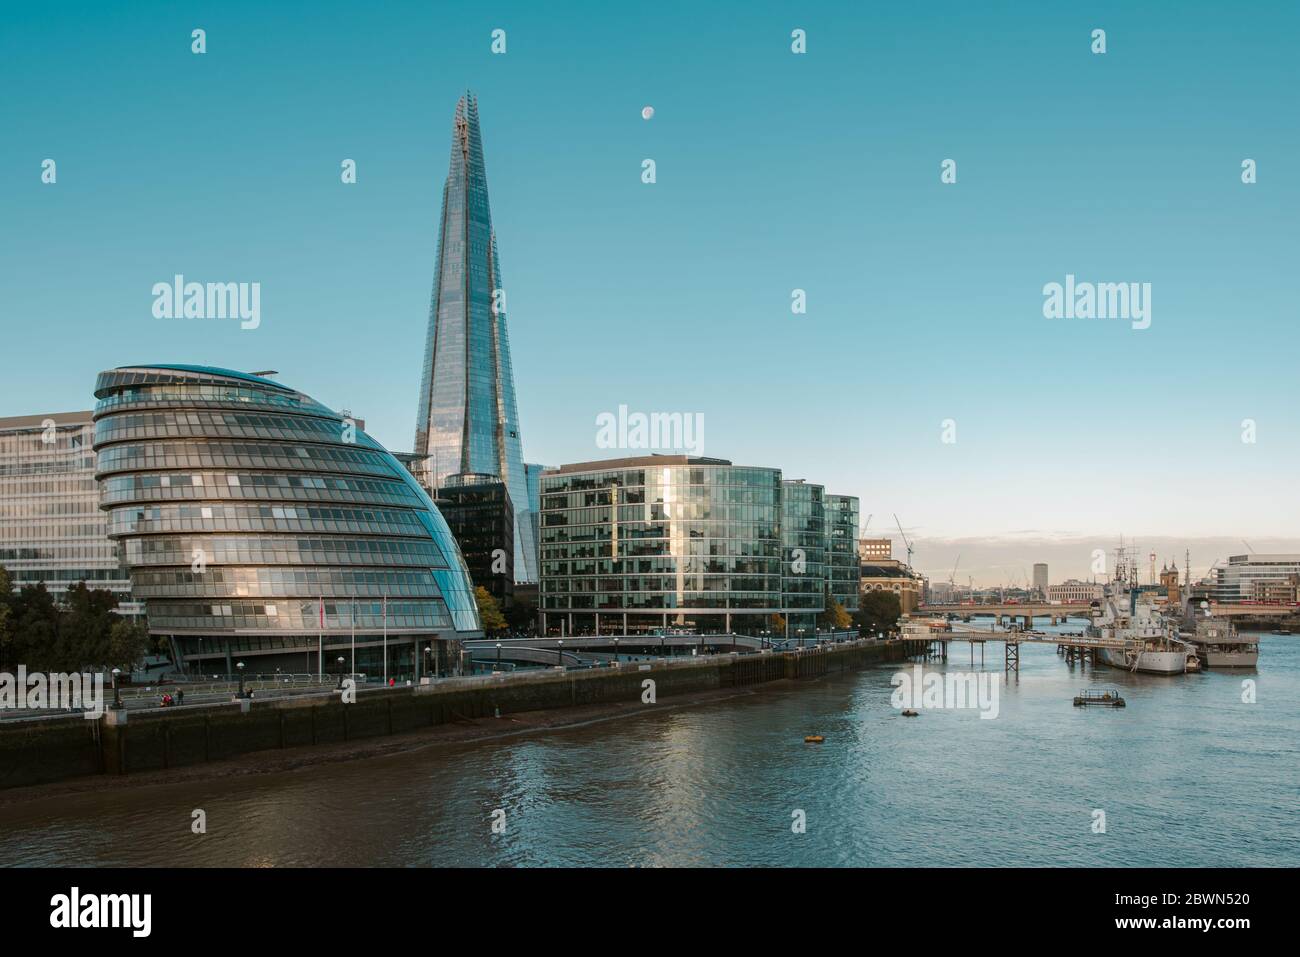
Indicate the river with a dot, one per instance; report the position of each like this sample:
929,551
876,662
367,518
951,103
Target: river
1188,774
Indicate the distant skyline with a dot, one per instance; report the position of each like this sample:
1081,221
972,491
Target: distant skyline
774,172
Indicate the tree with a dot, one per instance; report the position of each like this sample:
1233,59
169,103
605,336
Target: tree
879,613
835,617
85,629
489,612
127,642
6,617
776,624
522,616
34,620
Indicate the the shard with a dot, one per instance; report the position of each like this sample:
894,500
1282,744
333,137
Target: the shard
466,426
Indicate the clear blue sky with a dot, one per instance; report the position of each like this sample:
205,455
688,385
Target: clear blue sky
775,171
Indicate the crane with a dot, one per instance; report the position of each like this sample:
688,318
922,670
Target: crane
905,541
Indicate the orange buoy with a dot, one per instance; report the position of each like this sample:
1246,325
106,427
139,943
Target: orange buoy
813,739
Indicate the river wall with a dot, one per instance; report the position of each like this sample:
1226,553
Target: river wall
38,752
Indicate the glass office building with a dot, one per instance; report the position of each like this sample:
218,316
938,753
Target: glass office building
843,570
803,560
51,528
478,512
260,526
660,541
466,422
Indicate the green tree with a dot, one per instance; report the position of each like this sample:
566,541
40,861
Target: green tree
34,624
522,616
835,617
127,643
879,613
85,629
489,612
6,615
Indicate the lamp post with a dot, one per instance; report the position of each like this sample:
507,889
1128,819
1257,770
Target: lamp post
559,652
498,656
428,660
340,660
117,692
240,668
616,648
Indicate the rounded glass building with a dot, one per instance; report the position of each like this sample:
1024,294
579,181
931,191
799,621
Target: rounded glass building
631,545
260,526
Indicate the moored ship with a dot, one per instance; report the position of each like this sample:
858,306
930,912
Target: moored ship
1126,614
1219,646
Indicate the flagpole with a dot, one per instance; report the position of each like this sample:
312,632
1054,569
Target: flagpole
354,636
320,642
385,641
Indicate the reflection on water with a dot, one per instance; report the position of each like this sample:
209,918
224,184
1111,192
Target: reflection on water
1187,775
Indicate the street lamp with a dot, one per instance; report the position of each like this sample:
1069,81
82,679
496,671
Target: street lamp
340,661
498,656
428,659
117,692
616,648
240,667
559,652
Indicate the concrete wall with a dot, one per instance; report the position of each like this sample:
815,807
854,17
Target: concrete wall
52,750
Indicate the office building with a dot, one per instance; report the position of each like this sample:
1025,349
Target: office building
260,526
466,422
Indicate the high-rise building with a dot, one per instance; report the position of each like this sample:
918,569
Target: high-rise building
260,526
1040,578
478,512
843,571
51,528
467,423
803,555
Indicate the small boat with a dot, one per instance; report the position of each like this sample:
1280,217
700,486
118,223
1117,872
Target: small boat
813,739
1109,698
909,713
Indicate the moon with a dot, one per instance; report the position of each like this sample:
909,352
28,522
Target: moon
647,112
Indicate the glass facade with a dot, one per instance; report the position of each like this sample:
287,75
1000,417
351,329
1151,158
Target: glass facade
51,528
843,571
466,421
803,558
256,521
481,519
660,541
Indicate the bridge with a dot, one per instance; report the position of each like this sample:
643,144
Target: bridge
1026,610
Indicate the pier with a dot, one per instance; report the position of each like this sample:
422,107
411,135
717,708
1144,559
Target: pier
1074,647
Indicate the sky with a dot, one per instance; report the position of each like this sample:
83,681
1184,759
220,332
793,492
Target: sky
924,376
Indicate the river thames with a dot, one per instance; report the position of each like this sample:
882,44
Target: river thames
1187,775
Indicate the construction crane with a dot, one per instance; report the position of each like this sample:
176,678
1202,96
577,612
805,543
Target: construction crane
954,570
1247,544
905,541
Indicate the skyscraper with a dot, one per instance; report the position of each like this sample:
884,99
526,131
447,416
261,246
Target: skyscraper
466,423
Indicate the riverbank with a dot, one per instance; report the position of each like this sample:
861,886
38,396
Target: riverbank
278,735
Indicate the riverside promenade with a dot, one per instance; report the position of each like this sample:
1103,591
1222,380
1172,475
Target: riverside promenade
38,752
